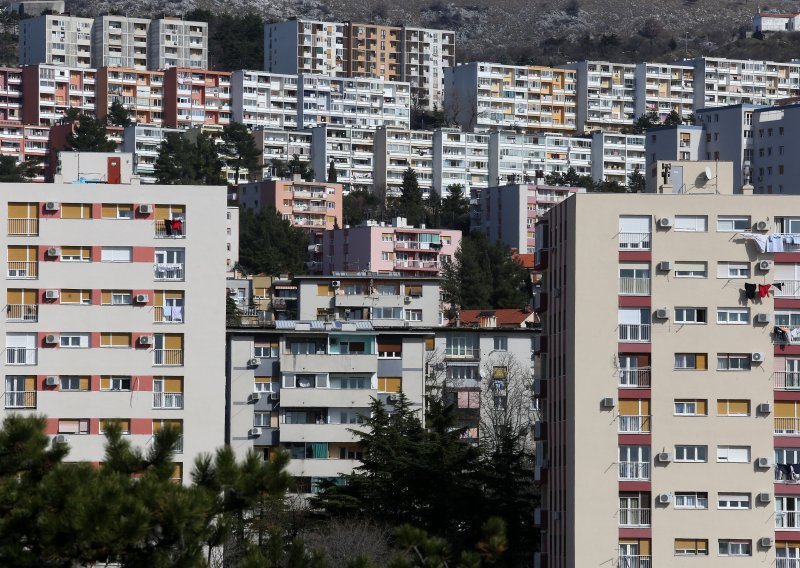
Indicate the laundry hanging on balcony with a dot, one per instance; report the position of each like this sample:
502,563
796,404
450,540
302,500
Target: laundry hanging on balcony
787,472
774,242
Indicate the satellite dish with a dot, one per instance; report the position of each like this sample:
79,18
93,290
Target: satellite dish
708,173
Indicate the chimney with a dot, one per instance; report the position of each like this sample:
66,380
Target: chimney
296,177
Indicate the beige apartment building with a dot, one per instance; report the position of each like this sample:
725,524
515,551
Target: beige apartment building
670,354
372,50
115,312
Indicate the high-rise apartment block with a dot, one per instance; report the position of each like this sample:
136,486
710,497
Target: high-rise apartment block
10,93
305,46
425,53
396,150
58,39
264,100
373,50
662,88
605,95
173,42
313,206
143,141
196,97
616,156
349,151
460,158
119,41
25,142
51,90
281,145
140,92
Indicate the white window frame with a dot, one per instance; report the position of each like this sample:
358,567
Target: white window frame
691,223
724,361
261,419
689,315
691,500
733,316
272,351
85,299
413,315
682,362
500,343
691,453
734,501
733,454
116,254
70,381
118,384
733,223
728,547
78,258
687,272
119,298
685,408
74,340
733,269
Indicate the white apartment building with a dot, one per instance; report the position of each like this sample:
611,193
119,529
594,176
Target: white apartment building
662,88
424,55
396,150
172,42
683,143
283,145
460,158
119,41
58,39
232,237
304,46
350,149
616,156
606,93
99,297
482,96
143,142
264,100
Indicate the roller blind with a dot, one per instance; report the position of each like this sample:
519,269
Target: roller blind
76,211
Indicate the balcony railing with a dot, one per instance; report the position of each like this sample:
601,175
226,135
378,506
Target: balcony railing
20,399
168,357
167,400
787,426
634,241
788,289
23,269
428,264
787,380
168,314
634,332
20,356
634,286
636,471
164,271
634,517
634,424
634,378
635,561
787,563
22,312
166,229
23,227
787,520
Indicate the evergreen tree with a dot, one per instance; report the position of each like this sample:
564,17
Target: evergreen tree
360,205
673,119
410,205
239,149
333,175
636,182
455,208
285,170
649,120
183,162
433,209
270,244
570,178
118,115
89,135
12,172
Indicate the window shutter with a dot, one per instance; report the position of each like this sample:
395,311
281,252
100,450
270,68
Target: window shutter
701,361
173,384
702,407
84,383
105,383
173,341
105,297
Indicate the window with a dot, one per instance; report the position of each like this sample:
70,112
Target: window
733,454
733,407
695,454
458,345
733,316
389,384
305,381
736,501
350,383
501,343
117,211
387,237
388,290
690,315
77,340
688,500
115,383
73,426
266,350
691,547
111,339
74,383
735,547
695,223
733,362
78,297
684,269
733,224
261,419
116,254
691,408
733,270
76,211
124,424
116,297
76,254
691,361
387,313
265,384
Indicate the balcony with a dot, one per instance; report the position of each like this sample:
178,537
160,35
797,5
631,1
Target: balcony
168,315
167,400
787,426
634,471
787,380
634,286
639,561
167,229
23,270
634,517
786,563
20,355
23,227
20,399
634,241
634,332
634,378
416,264
22,313
787,520
165,271
789,288
167,357
634,424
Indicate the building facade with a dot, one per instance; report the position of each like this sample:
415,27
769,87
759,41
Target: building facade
174,42
663,88
425,53
606,93
350,150
119,41
281,145
196,97
315,206
51,90
372,50
305,46
57,39
616,156
140,92
264,100
396,150
460,158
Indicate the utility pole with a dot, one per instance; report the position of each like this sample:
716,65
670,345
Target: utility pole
686,45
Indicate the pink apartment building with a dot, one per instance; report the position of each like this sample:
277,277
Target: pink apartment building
306,204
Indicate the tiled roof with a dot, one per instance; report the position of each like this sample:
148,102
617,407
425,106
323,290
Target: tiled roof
505,317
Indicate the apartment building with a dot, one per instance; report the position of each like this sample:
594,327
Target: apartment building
140,92
388,247
663,88
116,288
10,93
25,142
120,41
351,150
509,213
50,90
396,150
315,206
305,46
372,50
688,436
143,142
282,145
232,237
616,156
196,97
57,39
425,53
173,42
460,158
264,100
773,133
683,143
606,95
482,96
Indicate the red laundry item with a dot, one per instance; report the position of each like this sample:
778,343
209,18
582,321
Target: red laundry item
763,290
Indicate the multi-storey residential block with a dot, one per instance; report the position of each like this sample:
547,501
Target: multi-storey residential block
314,206
372,50
682,143
384,247
460,158
25,142
101,284
509,213
10,93
668,382
50,90
396,150
119,41
662,88
140,92
58,39
605,95
173,42
483,96
144,141
264,100
196,97
232,237
616,156
774,132
305,46
282,145
351,152
424,55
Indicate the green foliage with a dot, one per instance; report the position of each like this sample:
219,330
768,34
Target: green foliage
270,244
234,41
239,149
233,315
183,162
410,204
285,170
12,172
360,205
118,115
455,209
88,135
333,175
636,182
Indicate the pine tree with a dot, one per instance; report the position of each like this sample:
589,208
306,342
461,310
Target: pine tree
270,244
89,135
333,175
118,115
410,203
183,162
239,149
455,208
12,172
636,182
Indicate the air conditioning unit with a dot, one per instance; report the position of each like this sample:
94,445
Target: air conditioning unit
665,222
756,357
765,408
274,396
664,499
392,398
764,498
51,206
335,283
254,362
664,457
765,265
765,542
145,209
53,251
762,462
662,313
145,340
51,295
60,439
763,318
761,226
665,265
254,432
254,397
51,381
51,339
607,402
142,298
407,299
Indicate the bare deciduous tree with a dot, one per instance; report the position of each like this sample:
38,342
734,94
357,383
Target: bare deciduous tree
341,540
